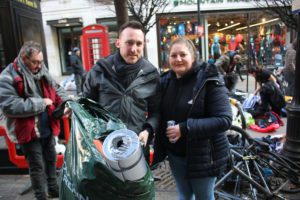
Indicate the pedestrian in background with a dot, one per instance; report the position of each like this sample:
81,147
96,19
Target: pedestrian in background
270,92
197,100
28,97
126,84
289,68
226,69
78,70
262,76
229,66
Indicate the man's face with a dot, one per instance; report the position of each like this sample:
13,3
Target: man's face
35,62
131,44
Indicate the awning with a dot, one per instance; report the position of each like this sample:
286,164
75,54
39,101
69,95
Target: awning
65,22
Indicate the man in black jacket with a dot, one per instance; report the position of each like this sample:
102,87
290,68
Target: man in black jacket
126,84
78,70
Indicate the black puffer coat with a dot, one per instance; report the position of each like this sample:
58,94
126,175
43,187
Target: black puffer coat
76,64
209,117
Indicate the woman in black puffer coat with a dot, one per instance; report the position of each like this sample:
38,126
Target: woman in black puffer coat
196,98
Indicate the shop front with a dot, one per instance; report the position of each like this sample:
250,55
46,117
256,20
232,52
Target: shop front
68,33
20,21
256,35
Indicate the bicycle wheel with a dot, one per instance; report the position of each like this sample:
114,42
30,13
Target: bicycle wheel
228,185
237,137
243,177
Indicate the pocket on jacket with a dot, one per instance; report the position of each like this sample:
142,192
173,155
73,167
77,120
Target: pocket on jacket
24,129
143,92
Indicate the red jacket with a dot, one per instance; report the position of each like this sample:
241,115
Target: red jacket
22,129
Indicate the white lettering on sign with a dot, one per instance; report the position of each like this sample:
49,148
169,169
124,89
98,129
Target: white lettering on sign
62,21
30,3
194,2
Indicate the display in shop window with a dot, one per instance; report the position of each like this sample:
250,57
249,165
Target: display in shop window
253,36
181,29
216,48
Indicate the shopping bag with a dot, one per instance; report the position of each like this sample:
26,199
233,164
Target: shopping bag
85,173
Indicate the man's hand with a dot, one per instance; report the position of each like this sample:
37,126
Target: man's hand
48,101
143,136
67,112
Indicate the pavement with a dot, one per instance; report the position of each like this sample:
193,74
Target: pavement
12,186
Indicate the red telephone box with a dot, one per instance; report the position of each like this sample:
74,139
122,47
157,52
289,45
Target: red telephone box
94,44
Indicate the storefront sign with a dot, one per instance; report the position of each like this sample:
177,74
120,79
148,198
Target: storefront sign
65,22
30,3
62,21
194,2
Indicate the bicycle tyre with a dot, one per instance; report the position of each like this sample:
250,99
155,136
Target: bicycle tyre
245,138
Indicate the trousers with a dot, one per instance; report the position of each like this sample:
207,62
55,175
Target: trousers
190,189
41,157
79,80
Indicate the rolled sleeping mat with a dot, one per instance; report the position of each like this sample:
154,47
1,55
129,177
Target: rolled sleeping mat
124,155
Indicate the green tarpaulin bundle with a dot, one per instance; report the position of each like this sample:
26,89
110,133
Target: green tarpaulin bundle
85,174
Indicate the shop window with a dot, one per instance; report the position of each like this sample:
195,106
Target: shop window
223,36
262,43
171,27
267,40
68,39
31,30
2,57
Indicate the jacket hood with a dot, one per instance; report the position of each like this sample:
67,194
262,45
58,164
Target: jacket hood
210,70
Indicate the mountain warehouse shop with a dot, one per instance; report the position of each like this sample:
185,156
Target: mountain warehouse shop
254,34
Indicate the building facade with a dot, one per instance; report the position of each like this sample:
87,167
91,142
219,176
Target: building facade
224,25
20,21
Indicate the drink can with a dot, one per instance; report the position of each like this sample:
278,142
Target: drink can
170,123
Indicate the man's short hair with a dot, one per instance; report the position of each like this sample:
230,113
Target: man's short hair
131,24
29,48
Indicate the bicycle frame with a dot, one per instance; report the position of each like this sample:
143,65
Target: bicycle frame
256,154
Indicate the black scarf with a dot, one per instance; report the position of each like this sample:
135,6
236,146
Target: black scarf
126,72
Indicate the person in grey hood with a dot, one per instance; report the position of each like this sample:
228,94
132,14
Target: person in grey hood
126,84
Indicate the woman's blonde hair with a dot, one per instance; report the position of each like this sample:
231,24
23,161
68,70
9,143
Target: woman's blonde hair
190,45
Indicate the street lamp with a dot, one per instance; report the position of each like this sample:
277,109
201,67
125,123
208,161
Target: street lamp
291,148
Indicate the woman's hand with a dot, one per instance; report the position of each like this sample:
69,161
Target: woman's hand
173,133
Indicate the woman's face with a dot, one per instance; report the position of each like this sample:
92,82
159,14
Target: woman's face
181,59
